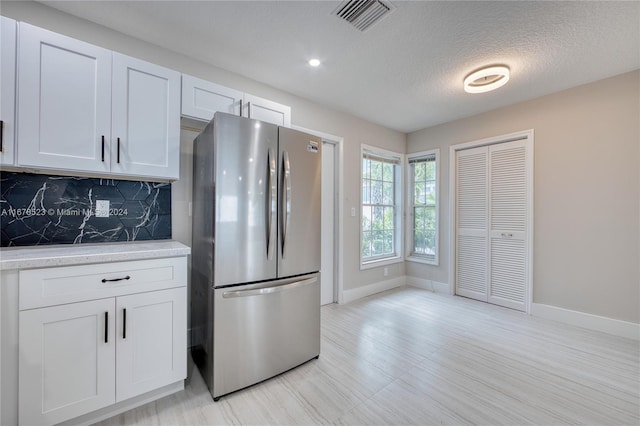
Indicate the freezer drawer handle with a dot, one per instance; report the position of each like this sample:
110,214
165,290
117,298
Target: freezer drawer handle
268,290
1,135
104,280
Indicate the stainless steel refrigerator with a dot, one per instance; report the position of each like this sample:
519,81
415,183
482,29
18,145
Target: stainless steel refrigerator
255,282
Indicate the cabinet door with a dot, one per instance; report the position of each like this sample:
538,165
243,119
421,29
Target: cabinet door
266,110
201,99
8,89
151,341
146,119
66,361
64,99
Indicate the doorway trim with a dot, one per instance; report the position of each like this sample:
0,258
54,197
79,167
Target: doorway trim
526,135
338,142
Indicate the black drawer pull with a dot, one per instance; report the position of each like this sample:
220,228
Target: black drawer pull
104,280
106,327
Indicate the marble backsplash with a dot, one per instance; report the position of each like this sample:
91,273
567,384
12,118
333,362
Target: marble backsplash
42,209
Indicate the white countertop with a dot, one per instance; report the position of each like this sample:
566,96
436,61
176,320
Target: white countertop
77,254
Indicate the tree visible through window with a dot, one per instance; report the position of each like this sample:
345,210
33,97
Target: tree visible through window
379,206
423,188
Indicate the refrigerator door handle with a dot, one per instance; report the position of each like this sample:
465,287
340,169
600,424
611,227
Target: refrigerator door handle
286,199
269,290
271,201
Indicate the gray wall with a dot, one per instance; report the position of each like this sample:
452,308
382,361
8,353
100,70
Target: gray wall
587,226
586,193
306,114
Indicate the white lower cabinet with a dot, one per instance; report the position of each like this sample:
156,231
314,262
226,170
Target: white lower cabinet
67,361
79,357
151,342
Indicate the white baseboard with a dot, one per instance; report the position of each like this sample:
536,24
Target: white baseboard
439,287
368,290
420,283
616,327
434,286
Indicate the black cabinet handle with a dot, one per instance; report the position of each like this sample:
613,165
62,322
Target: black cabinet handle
118,151
240,107
103,148
104,280
1,135
124,323
106,327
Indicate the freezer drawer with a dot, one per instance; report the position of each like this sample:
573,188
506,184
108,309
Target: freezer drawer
262,330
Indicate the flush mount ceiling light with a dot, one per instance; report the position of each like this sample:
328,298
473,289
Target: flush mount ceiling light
314,62
486,79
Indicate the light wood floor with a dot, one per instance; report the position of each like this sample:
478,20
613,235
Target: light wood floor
409,356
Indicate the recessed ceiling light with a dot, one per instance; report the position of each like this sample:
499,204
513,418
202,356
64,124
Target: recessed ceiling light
314,62
486,79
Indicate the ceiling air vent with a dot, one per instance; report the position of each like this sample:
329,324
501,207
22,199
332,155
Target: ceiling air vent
362,14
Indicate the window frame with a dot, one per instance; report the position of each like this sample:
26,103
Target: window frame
409,225
397,256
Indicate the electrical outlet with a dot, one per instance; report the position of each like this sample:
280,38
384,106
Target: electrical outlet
353,212
386,271
102,208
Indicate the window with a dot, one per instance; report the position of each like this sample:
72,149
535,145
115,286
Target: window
422,226
381,216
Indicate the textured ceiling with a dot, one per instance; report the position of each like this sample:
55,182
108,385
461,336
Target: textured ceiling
405,72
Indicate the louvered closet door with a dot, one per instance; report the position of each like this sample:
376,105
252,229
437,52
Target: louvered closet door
472,223
491,215
508,224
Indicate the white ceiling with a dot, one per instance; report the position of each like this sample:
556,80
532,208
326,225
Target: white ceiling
406,71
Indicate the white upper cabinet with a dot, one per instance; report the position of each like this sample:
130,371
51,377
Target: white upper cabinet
82,108
145,119
64,102
201,98
8,89
266,110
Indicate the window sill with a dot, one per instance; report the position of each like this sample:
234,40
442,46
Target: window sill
424,261
380,262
